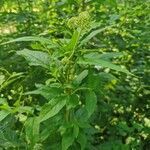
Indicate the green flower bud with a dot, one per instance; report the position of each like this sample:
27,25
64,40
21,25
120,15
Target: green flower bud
81,21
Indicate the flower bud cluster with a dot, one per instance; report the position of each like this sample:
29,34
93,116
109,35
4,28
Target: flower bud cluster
81,21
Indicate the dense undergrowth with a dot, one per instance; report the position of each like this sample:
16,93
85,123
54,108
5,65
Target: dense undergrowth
74,75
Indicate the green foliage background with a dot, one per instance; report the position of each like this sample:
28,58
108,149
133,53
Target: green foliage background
121,119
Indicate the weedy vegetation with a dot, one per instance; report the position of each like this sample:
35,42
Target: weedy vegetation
75,76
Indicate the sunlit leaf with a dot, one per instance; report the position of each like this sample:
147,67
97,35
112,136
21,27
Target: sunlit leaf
105,56
103,63
80,77
73,42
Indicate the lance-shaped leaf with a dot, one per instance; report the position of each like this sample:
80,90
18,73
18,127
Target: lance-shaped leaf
36,58
30,38
67,140
92,34
104,56
78,80
73,42
103,63
3,114
52,108
82,140
32,126
47,91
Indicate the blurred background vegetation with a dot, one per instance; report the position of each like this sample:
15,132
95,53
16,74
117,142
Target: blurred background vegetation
122,120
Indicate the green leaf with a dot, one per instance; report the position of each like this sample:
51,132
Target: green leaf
73,101
124,128
67,140
80,77
52,108
91,35
113,144
103,63
36,58
3,101
82,140
50,127
25,109
29,38
112,3
137,126
47,91
73,42
32,126
2,79
75,130
13,77
82,116
105,56
3,114
90,103
96,82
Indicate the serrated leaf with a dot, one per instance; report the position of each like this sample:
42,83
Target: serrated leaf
35,58
52,108
90,103
32,126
